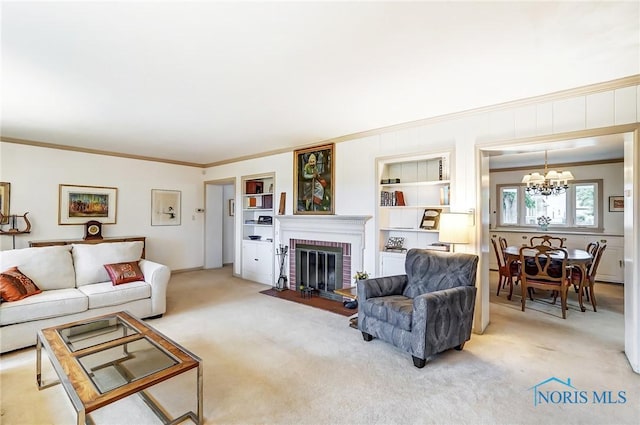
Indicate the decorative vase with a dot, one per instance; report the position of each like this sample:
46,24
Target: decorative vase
544,227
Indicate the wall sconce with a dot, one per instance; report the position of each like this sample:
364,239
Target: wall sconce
454,228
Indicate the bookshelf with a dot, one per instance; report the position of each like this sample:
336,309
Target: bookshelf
413,190
258,228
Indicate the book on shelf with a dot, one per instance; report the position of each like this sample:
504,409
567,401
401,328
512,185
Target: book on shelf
444,195
392,199
400,250
438,247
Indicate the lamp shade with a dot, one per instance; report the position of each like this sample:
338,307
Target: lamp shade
454,227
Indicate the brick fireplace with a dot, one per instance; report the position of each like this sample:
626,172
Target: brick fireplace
321,240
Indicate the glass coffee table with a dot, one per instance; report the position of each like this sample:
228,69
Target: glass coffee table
107,358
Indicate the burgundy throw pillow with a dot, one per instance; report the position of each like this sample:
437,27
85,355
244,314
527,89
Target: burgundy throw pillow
14,285
124,272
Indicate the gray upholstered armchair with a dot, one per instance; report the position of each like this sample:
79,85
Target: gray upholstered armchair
426,311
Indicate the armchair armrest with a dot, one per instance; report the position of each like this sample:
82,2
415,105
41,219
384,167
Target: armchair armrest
157,275
443,318
381,286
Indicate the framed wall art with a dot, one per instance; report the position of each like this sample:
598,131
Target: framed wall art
313,172
79,204
5,194
616,203
165,207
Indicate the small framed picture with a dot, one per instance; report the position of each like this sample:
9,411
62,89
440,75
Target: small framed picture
165,207
430,219
616,203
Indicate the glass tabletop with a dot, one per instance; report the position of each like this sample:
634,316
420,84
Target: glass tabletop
116,352
124,363
94,332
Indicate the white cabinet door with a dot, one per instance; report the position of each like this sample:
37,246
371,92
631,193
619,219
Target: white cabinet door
611,267
257,261
392,263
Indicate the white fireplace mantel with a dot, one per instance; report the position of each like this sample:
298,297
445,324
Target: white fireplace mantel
329,228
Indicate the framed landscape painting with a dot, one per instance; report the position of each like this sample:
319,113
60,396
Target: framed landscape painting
79,204
313,180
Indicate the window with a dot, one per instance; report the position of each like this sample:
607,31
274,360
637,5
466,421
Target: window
579,207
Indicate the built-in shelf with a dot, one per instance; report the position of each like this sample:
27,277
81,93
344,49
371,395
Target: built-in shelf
258,228
407,186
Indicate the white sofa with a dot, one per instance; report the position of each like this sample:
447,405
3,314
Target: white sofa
75,285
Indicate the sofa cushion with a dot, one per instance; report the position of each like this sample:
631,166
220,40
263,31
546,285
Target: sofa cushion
50,267
124,272
89,260
15,286
106,294
396,310
51,303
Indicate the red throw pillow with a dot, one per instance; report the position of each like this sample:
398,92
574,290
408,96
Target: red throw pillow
15,286
124,272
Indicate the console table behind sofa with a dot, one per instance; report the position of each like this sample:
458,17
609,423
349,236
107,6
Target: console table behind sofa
91,241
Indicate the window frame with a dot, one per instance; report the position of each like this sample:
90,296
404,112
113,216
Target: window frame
570,208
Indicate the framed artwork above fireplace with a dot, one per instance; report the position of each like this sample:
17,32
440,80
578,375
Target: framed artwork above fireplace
314,180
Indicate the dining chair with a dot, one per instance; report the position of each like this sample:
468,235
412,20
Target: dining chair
552,241
592,248
506,271
545,267
586,285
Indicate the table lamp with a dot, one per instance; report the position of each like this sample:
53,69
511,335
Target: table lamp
454,228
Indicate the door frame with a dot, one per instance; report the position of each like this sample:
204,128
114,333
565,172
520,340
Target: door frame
631,225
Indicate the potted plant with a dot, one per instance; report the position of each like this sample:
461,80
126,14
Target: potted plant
361,276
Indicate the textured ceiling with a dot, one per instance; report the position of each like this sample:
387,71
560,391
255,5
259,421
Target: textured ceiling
204,82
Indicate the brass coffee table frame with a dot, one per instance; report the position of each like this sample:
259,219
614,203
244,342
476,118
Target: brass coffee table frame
352,294
82,390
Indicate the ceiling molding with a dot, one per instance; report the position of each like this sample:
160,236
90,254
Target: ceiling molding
94,151
561,165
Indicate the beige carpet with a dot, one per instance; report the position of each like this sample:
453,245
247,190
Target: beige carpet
270,361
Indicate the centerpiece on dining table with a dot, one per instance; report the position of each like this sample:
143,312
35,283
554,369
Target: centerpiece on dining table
543,222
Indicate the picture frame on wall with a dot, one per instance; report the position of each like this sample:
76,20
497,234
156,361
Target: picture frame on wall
77,204
166,207
5,196
314,184
616,203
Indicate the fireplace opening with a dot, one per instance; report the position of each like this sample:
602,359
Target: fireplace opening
320,268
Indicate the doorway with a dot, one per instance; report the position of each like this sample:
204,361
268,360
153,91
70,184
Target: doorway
631,246
219,238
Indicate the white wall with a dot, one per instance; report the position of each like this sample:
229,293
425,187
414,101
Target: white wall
35,173
228,245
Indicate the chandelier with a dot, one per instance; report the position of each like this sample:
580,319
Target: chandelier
551,183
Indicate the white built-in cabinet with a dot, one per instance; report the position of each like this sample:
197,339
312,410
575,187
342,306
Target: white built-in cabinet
611,267
407,186
258,228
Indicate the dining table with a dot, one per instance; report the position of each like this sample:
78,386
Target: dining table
578,258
